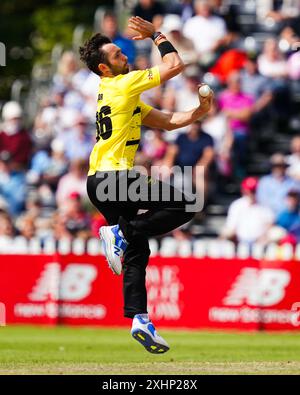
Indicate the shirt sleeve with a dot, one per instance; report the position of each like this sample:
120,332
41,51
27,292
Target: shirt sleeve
136,82
145,109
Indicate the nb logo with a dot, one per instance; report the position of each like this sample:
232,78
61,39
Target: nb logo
258,287
117,250
74,283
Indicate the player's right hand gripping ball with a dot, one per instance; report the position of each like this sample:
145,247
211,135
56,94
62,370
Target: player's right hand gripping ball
204,90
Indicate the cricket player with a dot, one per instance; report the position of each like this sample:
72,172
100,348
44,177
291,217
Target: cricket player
120,114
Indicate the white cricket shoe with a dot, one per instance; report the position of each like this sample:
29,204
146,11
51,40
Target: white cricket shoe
144,332
114,245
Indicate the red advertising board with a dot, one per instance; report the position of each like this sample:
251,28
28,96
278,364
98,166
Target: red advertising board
182,292
18,277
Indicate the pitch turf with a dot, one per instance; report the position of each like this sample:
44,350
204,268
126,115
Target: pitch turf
65,350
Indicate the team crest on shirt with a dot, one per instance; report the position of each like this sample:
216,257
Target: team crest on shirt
150,74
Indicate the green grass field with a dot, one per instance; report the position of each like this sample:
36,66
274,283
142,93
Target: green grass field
66,350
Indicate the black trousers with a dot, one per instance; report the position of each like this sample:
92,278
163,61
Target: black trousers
163,215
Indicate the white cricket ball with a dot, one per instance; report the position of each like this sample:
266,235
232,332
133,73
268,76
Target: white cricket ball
204,90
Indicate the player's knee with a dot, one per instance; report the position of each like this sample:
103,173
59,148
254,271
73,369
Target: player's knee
142,245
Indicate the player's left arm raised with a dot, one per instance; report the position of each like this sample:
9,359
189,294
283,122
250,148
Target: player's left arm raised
174,120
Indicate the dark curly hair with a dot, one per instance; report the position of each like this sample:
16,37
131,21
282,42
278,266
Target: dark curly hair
92,53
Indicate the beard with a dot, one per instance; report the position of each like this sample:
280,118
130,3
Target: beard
117,70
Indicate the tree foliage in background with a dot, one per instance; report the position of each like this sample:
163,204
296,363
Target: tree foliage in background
37,27
54,23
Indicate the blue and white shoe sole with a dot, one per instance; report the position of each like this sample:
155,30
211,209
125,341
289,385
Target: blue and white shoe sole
146,340
105,234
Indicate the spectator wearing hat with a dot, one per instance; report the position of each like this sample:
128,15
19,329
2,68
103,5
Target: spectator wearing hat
14,138
247,220
274,187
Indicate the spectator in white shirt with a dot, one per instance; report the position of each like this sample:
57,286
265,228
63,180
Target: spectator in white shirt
247,220
207,31
271,63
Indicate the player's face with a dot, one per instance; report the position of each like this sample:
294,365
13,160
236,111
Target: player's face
118,62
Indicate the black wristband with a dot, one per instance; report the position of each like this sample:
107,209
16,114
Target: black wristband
165,48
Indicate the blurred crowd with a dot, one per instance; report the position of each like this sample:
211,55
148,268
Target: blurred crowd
43,167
